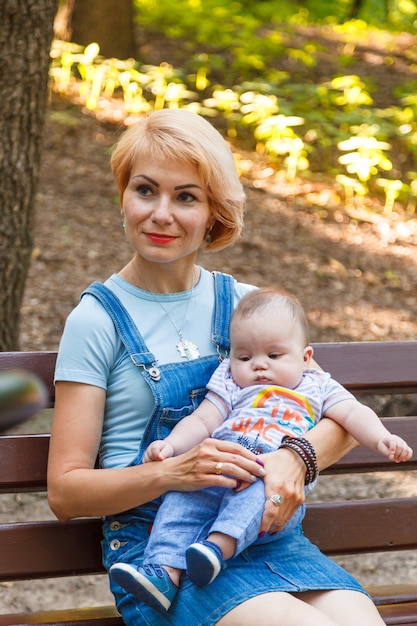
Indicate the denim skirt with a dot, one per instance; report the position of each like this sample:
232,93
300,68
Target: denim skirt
289,563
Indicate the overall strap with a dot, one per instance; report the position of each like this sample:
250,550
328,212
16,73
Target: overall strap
125,326
131,337
224,294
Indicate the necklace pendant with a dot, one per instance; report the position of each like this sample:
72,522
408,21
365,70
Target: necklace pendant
188,350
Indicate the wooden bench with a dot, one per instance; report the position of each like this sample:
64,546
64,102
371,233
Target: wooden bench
36,550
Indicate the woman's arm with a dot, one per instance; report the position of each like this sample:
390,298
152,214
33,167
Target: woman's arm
77,489
285,471
330,441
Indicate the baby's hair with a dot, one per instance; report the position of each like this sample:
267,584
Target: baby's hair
273,298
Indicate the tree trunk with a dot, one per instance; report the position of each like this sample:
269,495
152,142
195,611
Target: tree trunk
26,28
355,8
106,22
358,4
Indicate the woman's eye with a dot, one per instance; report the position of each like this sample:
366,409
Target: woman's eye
144,190
185,196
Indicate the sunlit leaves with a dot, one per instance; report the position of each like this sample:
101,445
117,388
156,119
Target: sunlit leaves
350,91
258,69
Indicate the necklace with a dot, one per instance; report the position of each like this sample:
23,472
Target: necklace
187,349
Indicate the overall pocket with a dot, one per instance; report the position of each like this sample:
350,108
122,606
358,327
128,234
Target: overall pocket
171,416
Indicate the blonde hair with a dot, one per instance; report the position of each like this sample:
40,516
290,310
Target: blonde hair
185,136
273,298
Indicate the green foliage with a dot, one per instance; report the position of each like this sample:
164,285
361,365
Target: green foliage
178,19
279,139
100,79
255,65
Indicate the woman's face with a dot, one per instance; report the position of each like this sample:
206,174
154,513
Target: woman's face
166,210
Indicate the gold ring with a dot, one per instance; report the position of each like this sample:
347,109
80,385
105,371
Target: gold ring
276,499
218,468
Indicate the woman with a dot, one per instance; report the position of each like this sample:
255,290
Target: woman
130,368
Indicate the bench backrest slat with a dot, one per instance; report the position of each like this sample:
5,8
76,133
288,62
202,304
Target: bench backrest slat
363,526
23,458
380,366
23,463
49,549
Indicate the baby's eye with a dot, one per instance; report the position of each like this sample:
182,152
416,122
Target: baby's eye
244,358
274,355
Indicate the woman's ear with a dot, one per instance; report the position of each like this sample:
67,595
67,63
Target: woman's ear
208,237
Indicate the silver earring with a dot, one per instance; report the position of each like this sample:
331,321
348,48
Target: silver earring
123,222
208,238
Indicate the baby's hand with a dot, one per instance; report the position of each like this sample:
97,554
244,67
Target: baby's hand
395,448
158,451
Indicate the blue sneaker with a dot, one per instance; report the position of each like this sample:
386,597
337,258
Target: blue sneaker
148,583
204,562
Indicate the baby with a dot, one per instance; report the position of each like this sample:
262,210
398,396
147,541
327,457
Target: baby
265,395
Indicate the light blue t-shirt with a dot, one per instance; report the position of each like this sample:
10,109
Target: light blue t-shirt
91,352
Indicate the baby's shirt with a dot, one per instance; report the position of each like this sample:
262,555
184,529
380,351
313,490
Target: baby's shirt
259,416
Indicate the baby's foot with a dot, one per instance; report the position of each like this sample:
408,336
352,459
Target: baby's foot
204,562
148,583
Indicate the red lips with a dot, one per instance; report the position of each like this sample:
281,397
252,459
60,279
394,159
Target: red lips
160,238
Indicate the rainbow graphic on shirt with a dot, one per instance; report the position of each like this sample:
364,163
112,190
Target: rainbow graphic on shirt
283,392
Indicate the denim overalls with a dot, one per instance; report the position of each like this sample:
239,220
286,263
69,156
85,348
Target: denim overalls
178,389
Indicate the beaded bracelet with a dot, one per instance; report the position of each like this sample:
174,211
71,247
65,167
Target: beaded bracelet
305,451
304,448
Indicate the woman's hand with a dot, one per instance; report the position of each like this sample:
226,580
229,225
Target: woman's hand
212,462
286,471
285,476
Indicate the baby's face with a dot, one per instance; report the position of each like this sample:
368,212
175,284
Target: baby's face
265,351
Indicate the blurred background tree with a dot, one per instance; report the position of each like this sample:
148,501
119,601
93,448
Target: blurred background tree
26,29
106,22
